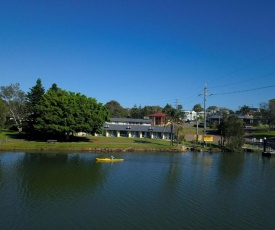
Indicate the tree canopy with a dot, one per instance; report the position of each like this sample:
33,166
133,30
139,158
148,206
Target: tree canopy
244,110
116,110
3,113
63,113
33,97
197,108
232,132
14,98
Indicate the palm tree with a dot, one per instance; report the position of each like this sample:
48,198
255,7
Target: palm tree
173,118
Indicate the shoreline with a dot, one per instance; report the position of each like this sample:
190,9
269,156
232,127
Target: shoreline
102,150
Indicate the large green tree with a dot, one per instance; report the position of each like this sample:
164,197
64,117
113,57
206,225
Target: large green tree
136,112
3,113
116,110
267,112
63,113
197,108
14,98
33,97
232,132
264,113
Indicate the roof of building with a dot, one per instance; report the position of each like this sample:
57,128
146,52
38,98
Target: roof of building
157,115
137,128
131,120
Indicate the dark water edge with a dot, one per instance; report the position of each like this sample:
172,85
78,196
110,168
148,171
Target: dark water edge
147,191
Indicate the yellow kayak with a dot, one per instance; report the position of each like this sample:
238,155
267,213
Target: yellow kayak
109,159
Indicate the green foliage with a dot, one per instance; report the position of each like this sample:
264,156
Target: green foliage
271,105
64,113
174,117
136,112
3,113
213,107
147,110
14,98
116,110
54,87
34,96
232,132
197,108
32,99
172,114
140,113
267,111
244,110
181,139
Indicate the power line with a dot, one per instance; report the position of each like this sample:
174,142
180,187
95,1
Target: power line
247,90
266,75
245,67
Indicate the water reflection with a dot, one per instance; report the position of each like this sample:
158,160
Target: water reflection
231,165
160,190
43,174
173,176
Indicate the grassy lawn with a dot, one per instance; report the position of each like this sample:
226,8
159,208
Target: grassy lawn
262,133
13,141
191,130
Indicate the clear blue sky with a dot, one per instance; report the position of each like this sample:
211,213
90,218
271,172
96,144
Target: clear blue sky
145,52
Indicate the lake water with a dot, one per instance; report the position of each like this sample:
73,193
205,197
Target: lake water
146,191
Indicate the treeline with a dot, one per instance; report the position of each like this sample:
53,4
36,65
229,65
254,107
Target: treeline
55,113
117,111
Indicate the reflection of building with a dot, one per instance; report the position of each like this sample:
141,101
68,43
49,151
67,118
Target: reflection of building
139,128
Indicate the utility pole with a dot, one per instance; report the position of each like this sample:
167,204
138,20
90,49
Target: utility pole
204,110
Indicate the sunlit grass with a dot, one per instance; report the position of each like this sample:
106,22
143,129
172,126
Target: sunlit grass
10,140
262,134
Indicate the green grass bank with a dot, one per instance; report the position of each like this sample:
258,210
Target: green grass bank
12,141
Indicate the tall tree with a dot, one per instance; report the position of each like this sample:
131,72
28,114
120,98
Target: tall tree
3,113
232,132
267,111
197,108
54,87
32,99
116,110
15,100
264,113
174,118
136,112
63,113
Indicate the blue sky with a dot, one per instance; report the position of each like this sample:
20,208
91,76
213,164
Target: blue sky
143,52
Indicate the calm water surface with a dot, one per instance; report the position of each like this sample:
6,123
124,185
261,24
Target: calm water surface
146,191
